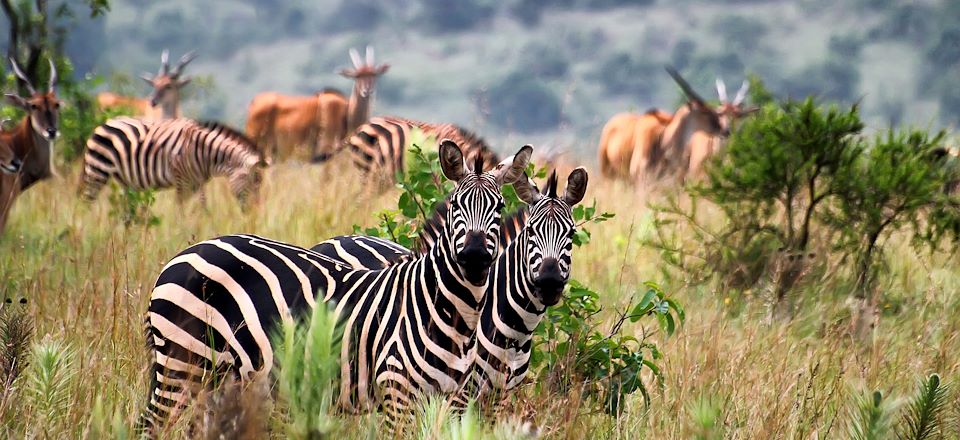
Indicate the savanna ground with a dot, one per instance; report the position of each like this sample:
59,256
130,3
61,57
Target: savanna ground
87,281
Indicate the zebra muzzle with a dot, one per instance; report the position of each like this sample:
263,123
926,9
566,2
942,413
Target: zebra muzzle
549,283
475,260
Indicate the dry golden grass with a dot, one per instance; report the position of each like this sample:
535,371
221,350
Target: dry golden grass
88,279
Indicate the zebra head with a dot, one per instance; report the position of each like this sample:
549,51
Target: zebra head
547,237
473,220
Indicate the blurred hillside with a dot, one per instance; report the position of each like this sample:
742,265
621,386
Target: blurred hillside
552,71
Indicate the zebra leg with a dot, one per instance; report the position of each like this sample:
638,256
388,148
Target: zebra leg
90,184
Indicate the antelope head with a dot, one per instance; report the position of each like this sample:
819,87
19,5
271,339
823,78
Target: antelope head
731,111
364,73
42,107
167,83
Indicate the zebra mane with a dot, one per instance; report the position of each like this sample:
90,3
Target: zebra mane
471,138
231,132
551,189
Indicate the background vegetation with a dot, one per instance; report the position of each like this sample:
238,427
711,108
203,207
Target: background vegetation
559,69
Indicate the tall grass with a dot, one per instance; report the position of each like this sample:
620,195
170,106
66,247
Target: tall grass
87,279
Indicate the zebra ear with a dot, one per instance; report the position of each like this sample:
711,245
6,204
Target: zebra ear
576,186
513,167
527,190
451,160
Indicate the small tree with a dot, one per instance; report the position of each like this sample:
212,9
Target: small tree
780,167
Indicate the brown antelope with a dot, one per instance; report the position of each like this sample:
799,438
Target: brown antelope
31,140
164,100
281,124
625,132
9,166
696,131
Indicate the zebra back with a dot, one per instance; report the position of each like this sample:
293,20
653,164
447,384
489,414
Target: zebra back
379,146
157,154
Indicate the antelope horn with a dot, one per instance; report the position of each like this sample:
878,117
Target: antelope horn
742,93
684,85
22,76
370,55
53,76
355,58
721,90
184,60
164,62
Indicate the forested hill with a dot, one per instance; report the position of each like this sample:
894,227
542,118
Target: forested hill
554,70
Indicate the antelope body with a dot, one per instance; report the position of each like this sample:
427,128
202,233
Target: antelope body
696,132
281,124
30,142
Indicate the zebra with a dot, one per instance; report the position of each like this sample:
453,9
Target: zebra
183,153
528,276
379,146
214,305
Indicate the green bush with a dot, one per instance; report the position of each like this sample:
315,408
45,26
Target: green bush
133,206
811,183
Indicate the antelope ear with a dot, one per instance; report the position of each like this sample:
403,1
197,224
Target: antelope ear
576,186
184,81
512,168
383,69
749,110
348,73
147,77
451,160
18,101
527,190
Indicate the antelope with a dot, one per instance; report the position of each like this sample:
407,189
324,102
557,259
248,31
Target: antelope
164,100
623,134
696,131
30,141
280,124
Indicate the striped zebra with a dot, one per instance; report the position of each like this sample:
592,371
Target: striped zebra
379,147
529,276
216,303
181,153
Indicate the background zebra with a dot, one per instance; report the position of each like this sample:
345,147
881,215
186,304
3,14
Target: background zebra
148,154
215,304
379,147
528,276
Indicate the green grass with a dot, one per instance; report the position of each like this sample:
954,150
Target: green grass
729,372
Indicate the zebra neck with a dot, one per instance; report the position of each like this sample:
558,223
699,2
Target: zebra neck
452,285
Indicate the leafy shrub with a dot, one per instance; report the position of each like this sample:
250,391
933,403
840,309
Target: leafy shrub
133,206
805,174
781,165
888,189
521,102
570,348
